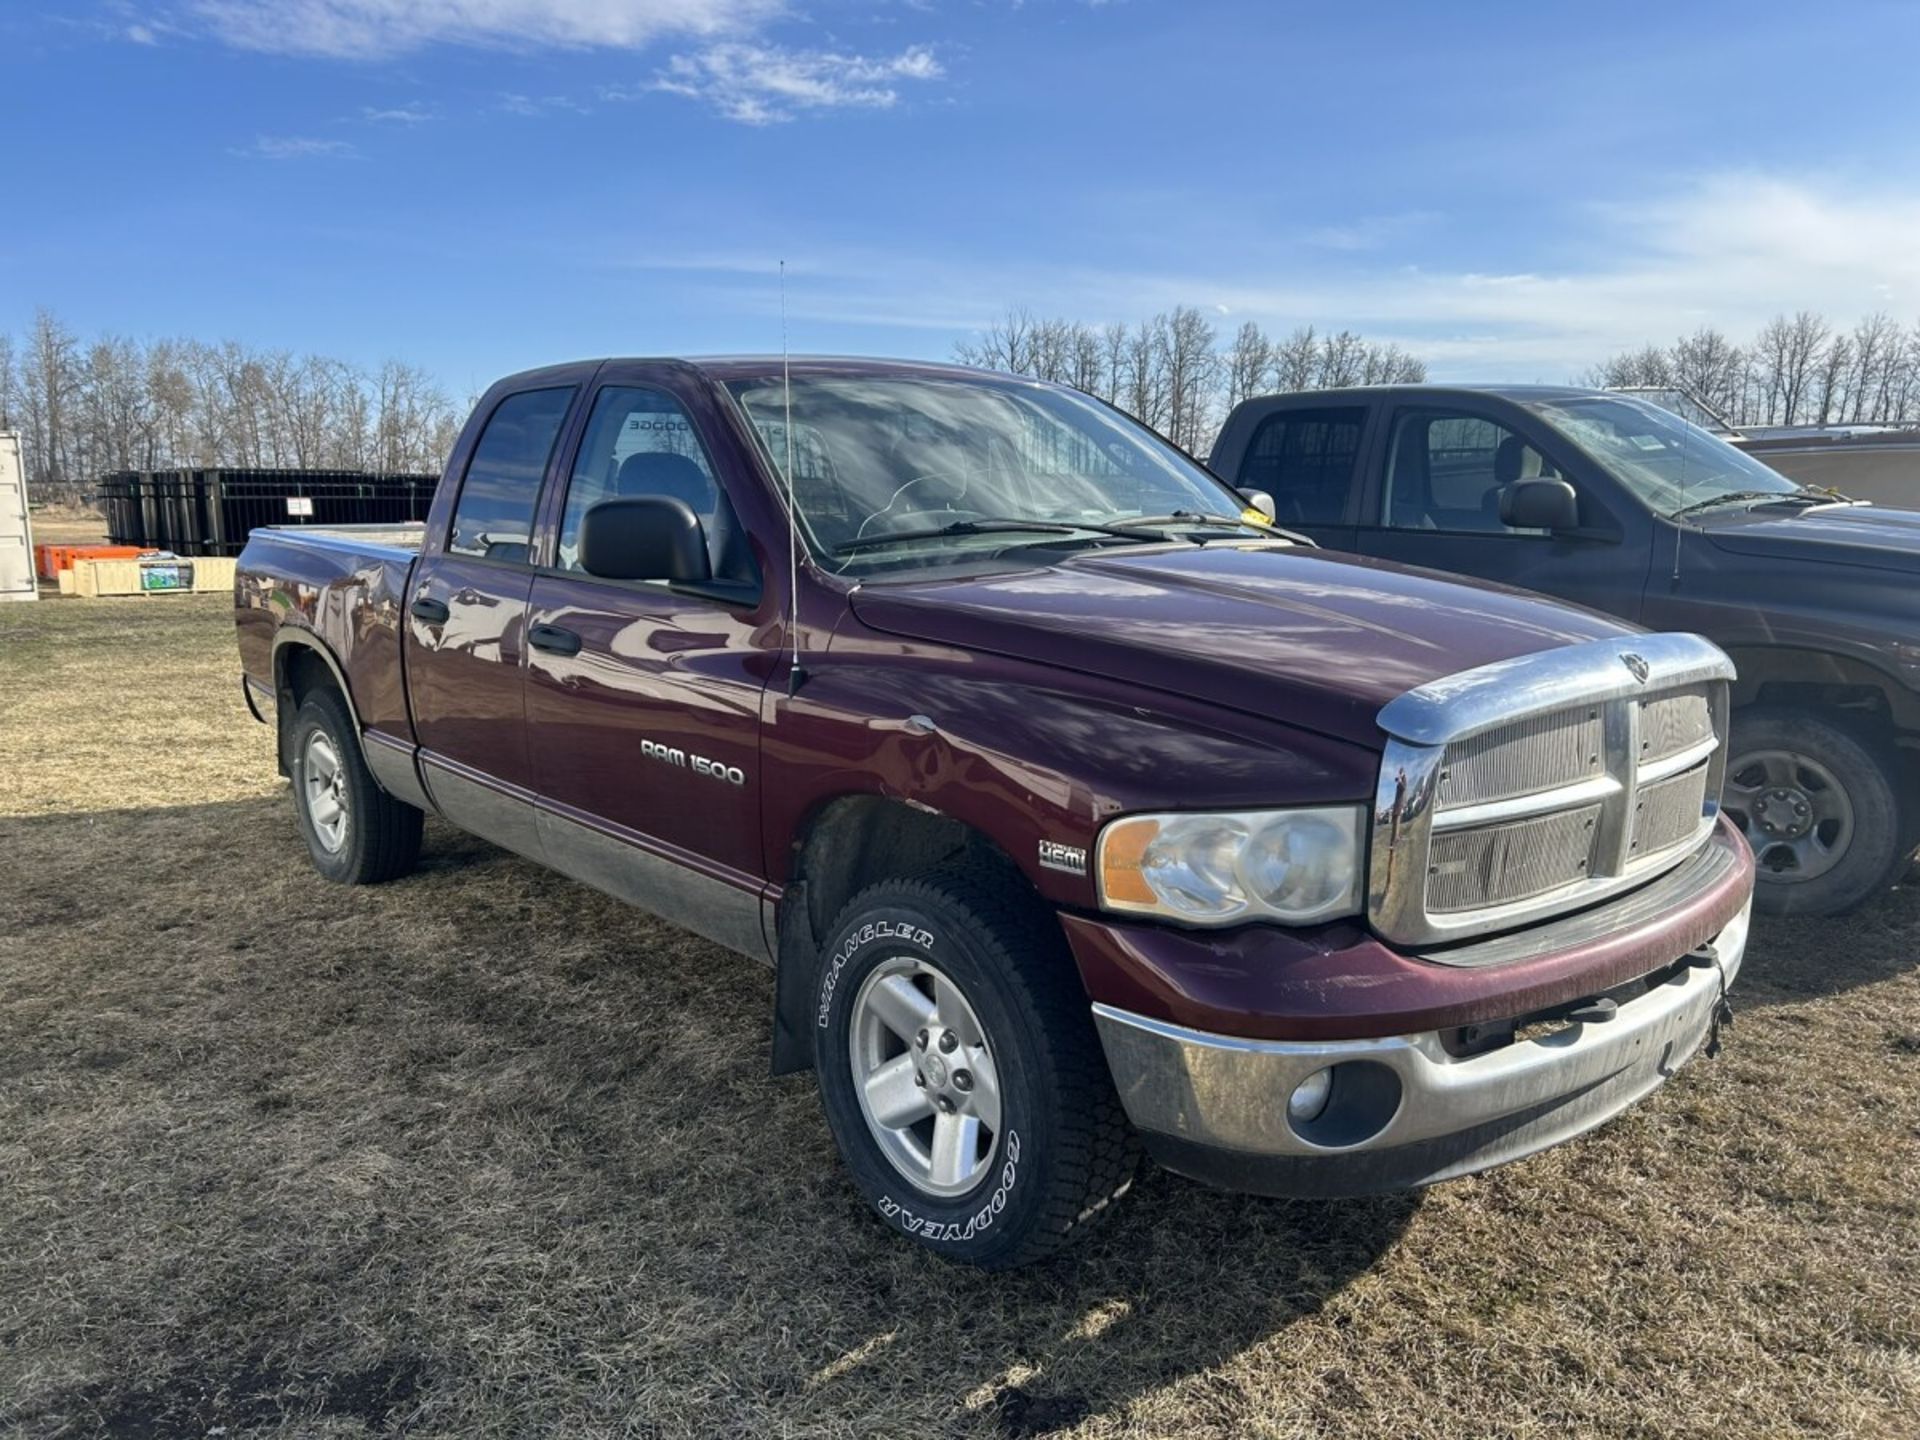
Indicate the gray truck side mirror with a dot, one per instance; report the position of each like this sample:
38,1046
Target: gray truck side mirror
1539,505
1259,500
650,537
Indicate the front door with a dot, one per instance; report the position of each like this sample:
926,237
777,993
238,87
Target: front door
1439,505
644,700
467,651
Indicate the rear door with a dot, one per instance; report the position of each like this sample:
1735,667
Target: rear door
467,626
643,700
1308,461
1436,502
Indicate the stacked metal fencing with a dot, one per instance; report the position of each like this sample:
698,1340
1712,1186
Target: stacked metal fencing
211,512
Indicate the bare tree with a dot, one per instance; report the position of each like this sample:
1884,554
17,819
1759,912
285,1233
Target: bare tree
1296,360
1192,367
1248,363
1709,365
1830,386
116,403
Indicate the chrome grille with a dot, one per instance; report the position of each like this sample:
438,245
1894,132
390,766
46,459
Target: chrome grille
1519,759
1668,811
1541,784
1499,864
1670,723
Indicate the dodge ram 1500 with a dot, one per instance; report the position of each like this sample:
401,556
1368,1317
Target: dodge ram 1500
1075,806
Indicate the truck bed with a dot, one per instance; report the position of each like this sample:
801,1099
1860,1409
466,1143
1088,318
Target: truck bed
339,590
403,538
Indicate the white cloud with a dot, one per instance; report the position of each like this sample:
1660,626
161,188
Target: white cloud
766,84
1729,251
371,29
142,35
413,114
294,147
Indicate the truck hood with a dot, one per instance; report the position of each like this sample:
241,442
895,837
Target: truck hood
1304,637
1846,534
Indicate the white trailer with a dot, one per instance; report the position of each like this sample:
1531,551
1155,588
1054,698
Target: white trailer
16,534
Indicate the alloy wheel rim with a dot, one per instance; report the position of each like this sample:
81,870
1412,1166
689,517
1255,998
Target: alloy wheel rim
925,1077
1794,811
324,779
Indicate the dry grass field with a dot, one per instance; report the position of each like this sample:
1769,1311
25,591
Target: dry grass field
480,1154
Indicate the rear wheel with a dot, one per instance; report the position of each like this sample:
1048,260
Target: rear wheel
356,832
1817,802
960,1072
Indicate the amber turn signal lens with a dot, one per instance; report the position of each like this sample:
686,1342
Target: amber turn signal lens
1123,850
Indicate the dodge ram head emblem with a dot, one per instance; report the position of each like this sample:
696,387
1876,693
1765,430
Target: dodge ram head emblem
1636,664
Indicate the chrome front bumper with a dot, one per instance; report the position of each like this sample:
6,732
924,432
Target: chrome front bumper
1215,1107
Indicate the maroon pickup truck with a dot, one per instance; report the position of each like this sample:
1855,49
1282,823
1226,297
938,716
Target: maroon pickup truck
1075,806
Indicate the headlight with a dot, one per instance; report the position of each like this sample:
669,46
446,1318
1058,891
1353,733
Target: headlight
1293,866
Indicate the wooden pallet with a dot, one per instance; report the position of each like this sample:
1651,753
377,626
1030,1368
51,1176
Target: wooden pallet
124,577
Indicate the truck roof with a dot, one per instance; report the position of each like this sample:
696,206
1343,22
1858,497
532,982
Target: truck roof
1520,394
746,367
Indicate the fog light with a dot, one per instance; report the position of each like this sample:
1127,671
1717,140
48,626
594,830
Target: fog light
1309,1097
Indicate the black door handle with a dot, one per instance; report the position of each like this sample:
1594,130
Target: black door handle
434,612
554,640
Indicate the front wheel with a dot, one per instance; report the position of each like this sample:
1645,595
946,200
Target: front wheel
960,1072
1818,805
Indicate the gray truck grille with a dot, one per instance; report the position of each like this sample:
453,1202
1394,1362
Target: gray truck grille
1545,784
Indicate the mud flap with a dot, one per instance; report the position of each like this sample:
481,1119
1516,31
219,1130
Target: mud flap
796,967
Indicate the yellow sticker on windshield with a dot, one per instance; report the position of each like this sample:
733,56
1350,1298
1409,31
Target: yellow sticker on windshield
1254,517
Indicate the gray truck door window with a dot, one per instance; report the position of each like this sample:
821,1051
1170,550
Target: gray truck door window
1446,469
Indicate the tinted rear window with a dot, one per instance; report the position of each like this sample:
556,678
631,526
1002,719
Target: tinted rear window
1305,459
493,518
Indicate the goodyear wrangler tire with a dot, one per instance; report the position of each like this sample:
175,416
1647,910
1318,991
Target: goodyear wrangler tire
960,1072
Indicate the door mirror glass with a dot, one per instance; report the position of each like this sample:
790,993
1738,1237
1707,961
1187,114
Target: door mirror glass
1259,500
651,537
1539,505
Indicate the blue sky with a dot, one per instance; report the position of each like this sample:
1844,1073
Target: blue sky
1511,190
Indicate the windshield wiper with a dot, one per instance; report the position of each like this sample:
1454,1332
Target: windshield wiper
1804,495
1736,497
985,525
1177,519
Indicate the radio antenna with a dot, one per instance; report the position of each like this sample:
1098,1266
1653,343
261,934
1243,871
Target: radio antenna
794,673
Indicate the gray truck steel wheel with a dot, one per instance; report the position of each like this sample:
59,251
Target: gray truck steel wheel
1816,802
926,1077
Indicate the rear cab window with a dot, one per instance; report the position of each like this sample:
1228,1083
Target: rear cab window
493,516
1306,460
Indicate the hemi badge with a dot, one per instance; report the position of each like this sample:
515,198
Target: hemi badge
1072,859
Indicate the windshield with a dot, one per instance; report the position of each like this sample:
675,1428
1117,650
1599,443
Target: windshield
876,456
1666,462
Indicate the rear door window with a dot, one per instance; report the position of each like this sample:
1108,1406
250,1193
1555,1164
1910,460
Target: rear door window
493,518
1305,459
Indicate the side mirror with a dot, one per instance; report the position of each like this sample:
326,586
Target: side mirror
647,538
1539,505
1259,500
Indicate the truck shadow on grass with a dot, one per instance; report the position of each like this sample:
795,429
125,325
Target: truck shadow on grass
483,1153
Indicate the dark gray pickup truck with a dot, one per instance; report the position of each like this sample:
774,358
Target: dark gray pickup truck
1619,505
